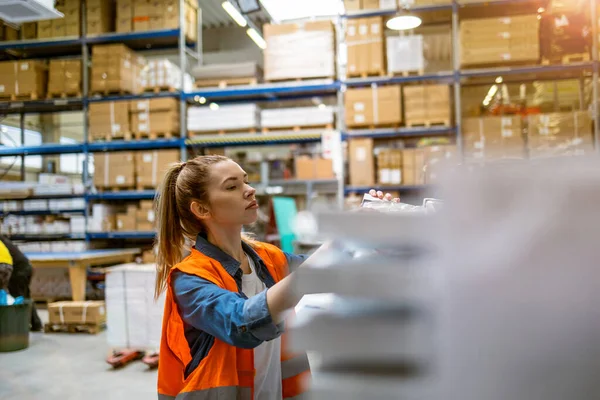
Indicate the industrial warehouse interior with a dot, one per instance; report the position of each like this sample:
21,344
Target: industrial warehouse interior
415,180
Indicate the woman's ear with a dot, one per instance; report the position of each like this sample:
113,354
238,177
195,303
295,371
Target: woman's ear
199,210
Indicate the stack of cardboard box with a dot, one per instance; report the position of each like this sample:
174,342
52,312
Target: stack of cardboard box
114,69
558,134
427,105
70,24
364,38
155,117
493,138
99,16
362,164
77,312
437,160
114,170
151,166
127,222
109,120
299,50
308,168
124,15
145,216
565,37
500,40
9,33
146,15
65,77
413,165
160,75
373,106
389,167
23,78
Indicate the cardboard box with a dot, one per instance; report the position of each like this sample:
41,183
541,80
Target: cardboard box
353,5
413,167
427,105
10,34
389,167
364,38
362,164
560,134
493,138
127,222
77,312
373,106
29,30
151,166
113,69
145,219
65,76
308,168
109,119
100,17
159,122
154,105
437,160
114,170
23,78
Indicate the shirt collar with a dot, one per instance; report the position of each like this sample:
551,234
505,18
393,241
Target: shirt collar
231,265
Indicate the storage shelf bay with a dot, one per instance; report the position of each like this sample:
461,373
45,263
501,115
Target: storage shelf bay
267,91
400,133
248,139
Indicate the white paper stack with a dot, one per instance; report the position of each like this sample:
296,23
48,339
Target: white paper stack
35,205
296,116
405,53
228,117
134,318
100,214
163,73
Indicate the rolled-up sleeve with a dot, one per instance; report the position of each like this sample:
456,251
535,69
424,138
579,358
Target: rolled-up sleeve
229,316
294,260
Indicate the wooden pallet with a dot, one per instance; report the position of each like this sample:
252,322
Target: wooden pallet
62,95
111,92
366,74
74,328
159,89
312,78
222,132
378,126
296,128
427,123
20,97
116,189
154,135
223,83
108,137
407,73
568,59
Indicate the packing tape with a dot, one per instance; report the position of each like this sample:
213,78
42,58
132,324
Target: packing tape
375,104
84,313
106,182
154,167
60,313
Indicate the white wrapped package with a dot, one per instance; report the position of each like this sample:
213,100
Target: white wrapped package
296,116
227,117
405,53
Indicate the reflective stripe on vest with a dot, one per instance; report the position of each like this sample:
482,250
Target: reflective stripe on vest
294,366
228,392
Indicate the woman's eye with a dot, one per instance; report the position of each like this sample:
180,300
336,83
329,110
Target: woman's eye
231,187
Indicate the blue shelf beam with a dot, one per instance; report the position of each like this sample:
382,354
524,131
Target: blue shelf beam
44,149
121,235
43,212
125,195
120,145
146,40
141,96
50,197
39,48
400,133
49,236
446,76
535,70
41,106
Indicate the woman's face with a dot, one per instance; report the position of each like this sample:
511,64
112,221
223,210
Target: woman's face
231,199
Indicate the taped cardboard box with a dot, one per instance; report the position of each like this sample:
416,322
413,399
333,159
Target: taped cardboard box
65,77
100,16
389,166
114,170
159,122
437,160
151,166
560,134
373,106
413,167
308,167
110,119
145,220
23,78
44,29
493,138
364,39
77,312
362,163
427,104
127,222
153,105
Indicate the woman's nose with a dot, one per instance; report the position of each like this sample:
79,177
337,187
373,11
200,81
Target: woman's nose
250,191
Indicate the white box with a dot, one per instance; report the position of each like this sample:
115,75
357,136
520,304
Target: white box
405,53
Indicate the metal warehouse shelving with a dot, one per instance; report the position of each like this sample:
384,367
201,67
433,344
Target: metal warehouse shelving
175,39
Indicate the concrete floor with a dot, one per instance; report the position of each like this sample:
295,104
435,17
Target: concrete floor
71,366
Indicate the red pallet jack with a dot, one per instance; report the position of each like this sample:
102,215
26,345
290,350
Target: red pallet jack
119,359
151,360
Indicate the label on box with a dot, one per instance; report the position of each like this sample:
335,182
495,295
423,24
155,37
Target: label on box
396,176
120,179
375,29
577,141
127,64
505,56
504,35
507,133
479,145
351,31
359,106
505,20
147,158
144,116
384,176
143,127
544,130
151,216
359,118
1,88
24,66
116,128
119,224
506,121
143,105
363,29
361,154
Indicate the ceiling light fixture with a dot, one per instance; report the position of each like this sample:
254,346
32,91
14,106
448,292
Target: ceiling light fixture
499,79
213,106
234,13
404,22
255,36
202,100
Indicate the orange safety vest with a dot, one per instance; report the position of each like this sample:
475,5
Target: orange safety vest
227,372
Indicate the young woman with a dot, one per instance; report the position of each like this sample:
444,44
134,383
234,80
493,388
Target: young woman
223,327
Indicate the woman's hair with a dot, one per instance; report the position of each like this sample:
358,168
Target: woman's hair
183,183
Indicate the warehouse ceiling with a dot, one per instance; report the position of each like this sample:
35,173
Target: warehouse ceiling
214,16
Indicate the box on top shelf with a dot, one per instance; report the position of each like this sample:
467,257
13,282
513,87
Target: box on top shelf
44,29
100,17
364,39
362,163
500,40
114,69
405,54
565,38
559,134
427,105
23,78
151,166
124,16
65,77
299,50
493,138
8,33
109,120
114,170
373,106
70,24
357,5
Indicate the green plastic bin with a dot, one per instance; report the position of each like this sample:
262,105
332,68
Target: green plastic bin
14,326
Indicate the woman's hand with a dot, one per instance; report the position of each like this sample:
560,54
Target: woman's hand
386,197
